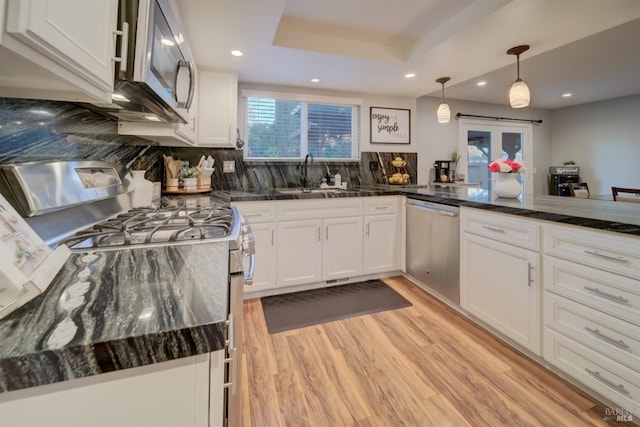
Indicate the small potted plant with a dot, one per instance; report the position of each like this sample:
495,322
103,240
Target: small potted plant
189,177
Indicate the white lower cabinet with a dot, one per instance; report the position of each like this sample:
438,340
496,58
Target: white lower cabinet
380,243
592,310
342,248
299,252
306,243
264,276
499,285
174,393
607,377
500,282
316,250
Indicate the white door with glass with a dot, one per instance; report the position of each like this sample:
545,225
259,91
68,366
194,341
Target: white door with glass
482,141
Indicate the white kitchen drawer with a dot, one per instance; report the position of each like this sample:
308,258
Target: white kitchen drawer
258,212
616,295
613,252
610,336
380,205
290,210
501,227
612,380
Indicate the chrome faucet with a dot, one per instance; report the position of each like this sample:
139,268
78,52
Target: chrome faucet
306,182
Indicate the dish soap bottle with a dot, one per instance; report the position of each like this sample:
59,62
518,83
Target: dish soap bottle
337,180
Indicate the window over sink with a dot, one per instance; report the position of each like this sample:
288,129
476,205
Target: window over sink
285,126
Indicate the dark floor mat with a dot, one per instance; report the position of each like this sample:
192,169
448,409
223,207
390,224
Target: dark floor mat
306,308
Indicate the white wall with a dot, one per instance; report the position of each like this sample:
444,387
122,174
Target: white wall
603,138
438,140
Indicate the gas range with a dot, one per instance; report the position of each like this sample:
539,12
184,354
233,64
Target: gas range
160,225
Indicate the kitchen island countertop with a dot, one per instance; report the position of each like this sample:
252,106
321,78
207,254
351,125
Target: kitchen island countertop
605,215
117,309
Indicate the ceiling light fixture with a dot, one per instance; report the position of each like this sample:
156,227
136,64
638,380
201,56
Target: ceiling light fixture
519,95
482,83
444,113
237,53
567,95
410,75
315,80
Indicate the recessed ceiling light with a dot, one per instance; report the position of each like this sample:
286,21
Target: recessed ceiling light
315,80
567,95
410,75
236,52
482,83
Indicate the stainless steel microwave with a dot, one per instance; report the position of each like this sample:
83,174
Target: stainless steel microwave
155,77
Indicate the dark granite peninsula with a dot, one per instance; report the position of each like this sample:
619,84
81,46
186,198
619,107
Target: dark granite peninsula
604,215
118,309
599,214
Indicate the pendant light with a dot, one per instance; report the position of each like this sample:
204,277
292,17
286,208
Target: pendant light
444,113
519,95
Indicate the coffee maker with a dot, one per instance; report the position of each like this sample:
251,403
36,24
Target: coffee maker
443,171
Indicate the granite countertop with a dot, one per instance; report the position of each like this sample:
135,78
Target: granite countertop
606,215
117,309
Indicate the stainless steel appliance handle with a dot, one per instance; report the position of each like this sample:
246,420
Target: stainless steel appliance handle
232,351
432,210
182,64
192,87
248,276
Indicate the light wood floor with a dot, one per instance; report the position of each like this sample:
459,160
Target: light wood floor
423,365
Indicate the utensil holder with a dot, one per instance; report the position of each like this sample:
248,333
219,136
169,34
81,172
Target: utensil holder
171,183
204,182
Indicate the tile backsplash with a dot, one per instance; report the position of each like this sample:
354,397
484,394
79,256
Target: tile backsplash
33,130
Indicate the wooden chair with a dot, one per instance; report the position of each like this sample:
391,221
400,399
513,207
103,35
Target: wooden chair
579,189
626,194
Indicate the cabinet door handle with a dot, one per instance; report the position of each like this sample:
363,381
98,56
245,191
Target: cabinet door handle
616,298
124,46
367,230
319,236
382,207
596,332
619,387
490,228
530,274
273,237
326,233
609,257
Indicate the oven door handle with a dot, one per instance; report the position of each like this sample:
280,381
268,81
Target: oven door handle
248,276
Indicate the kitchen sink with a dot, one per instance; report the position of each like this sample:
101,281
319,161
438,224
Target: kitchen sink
313,190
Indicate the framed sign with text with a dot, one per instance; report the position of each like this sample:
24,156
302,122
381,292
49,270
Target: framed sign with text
390,125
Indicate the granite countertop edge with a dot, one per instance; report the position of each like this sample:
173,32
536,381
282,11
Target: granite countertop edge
165,281
81,361
431,195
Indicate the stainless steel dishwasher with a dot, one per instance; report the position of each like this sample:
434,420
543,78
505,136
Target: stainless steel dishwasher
433,247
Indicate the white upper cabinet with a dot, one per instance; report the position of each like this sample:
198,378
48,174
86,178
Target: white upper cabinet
58,49
217,109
